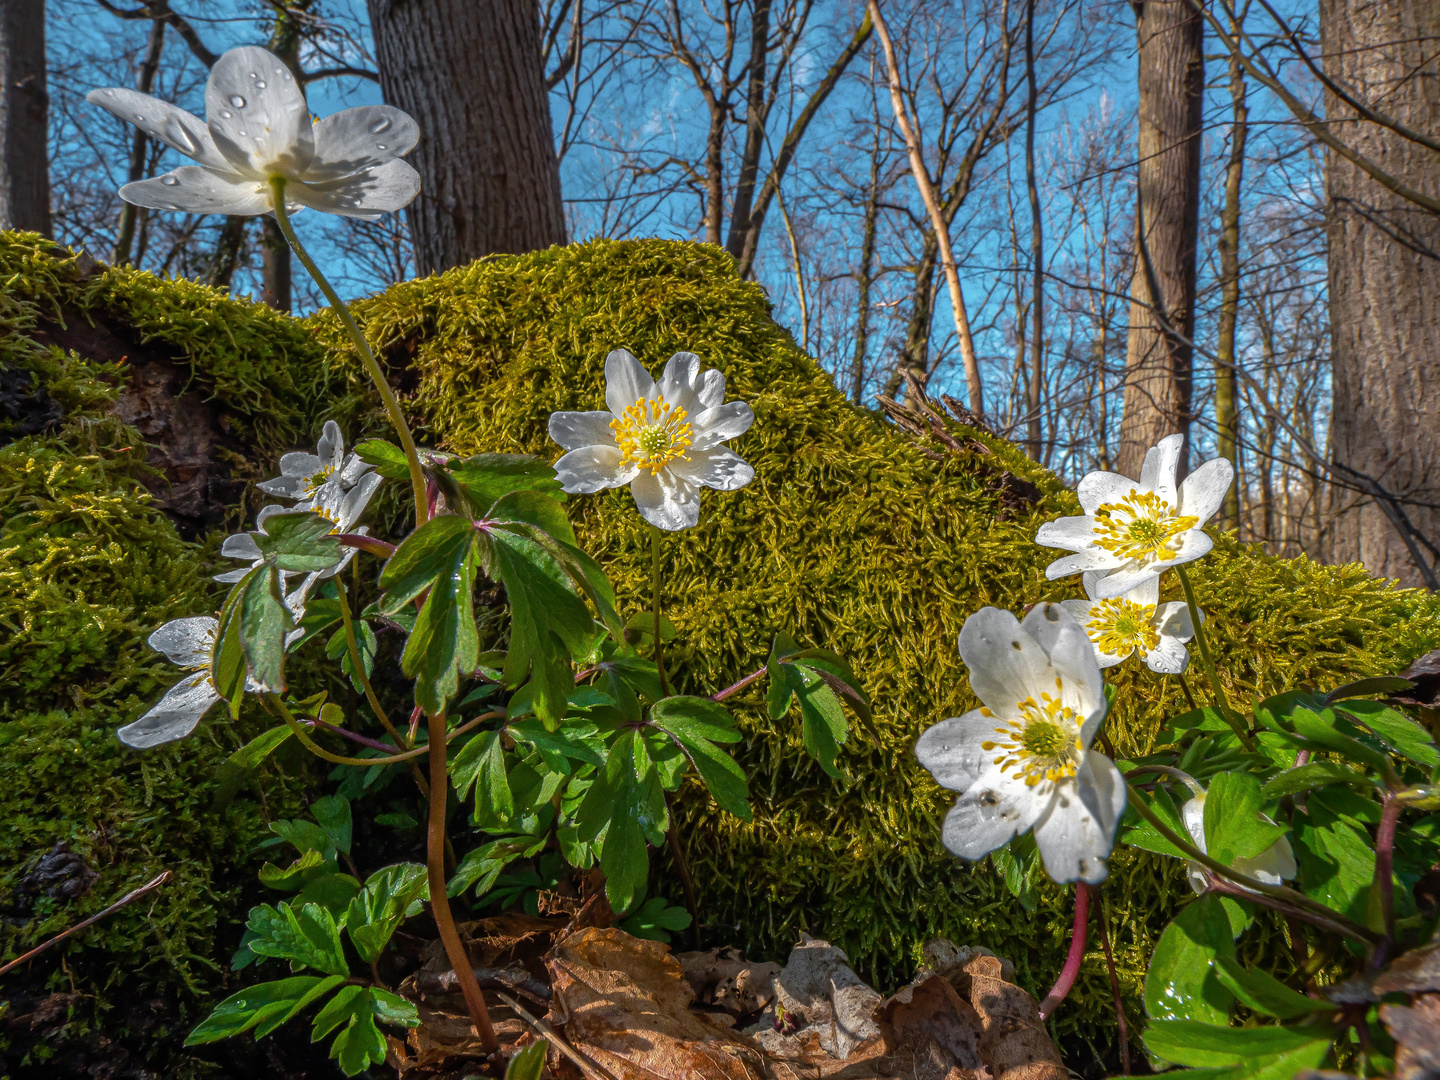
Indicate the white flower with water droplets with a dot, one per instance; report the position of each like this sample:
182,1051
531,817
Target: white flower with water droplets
1135,622
256,127
302,474
1133,531
1273,866
662,438
1023,760
189,643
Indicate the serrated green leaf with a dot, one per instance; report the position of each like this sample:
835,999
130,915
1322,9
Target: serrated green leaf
332,814
1376,686
303,836
1259,990
359,1043
293,877
338,648
299,541
627,803
333,892
427,553
264,622
445,642
235,769
576,741
1319,729
227,665
697,724
1181,983
307,938
387,458
481,764
533,508
480,868
1313,775
1234,826
393,1009
1138,832
656,920
390,896
1336,858
257,1004
1402,734
486,478
1187,1042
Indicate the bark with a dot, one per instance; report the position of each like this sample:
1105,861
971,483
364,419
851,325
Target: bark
1384,288
1035,446
227,252
1226,389
275,288
1157,365
865,278
915,354
130,214
24,118
470,73
755,115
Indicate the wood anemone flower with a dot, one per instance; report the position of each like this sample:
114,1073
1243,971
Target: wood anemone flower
1133,531
302,474
662,438
257,127
190,644
1135,623
1023,760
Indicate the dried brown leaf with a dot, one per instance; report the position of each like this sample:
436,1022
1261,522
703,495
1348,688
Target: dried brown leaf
1013,1041
1416,1031
1414,972
729,982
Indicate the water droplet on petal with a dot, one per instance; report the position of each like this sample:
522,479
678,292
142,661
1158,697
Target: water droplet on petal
178,136
237,101
226,113
140,116
379,146
242,133
171,206
169,181
383,124
260,83
109,93
253,75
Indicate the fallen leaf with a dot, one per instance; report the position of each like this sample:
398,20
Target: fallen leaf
729,982
819,988
625,1003
1414,972
930,1029
1416,1031
1014,1044
447,1040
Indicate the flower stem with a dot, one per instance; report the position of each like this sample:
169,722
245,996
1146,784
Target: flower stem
1217,688
277,707
655,582
372,367
439,901
687,884
1297,902
351,644
1384,871
735,688
1077,953
1114,986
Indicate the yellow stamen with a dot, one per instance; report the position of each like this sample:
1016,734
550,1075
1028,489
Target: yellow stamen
1044,743
1141,526
651,434
1119,626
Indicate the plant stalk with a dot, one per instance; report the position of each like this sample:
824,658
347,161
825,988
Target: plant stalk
277,707
1115,996
1222,702
687,884
655,583
372,366
439,902
1384,871
1077,953
736,687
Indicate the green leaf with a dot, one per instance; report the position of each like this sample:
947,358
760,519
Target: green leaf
486,478
532,508
1188,1042
528,1064
387,458
332,813
481,763
333,892
262,1002
1234,826
390,896
627,803
655,920
1267,995
227,666
235,769
838,675
308,938
1336,859
338,648
1376,686
300,541
1313,775
1319,729
1181,984
575,741
426,554
1140,833
320,612
304,836
445,643
482,866
359,1043
824,728
394,1009
1401,733
264,622
293,877
1019,864
697,724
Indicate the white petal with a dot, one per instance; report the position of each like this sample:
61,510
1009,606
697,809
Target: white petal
241,546
1158,472
161,120
572,430
286,487
1194,543
1169,657
267,512
710,389
1077,831
1090,559
1204,490
186,642
1006,664
355,501
666,502
593,468
1073,660
1098,488
1173,620
353,469
990,814
626,382
380,189
679,382
300,465
1070,533
715,468
198,190
1125,578
331,447
174,716
257,114
354,140
714,426
1193,814
230,577
1146,594
951,749
1274,865
1195,874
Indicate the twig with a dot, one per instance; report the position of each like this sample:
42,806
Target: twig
128,898
586,1065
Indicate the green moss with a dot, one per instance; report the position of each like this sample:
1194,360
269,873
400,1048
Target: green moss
852,538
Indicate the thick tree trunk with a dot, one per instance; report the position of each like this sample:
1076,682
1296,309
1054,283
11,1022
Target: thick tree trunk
470,73
1158,366
1384,288
1227,395
24,118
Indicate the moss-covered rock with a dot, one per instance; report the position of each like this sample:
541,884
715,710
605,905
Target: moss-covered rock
851,537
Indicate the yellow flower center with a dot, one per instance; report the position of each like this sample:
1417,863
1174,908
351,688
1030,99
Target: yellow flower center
1043,744
1141,526
652,434
1119,626
312,484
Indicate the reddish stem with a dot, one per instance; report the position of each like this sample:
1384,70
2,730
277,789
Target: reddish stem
1384,872
374,744
735,688
1115,993
415,715
379,548
1077,953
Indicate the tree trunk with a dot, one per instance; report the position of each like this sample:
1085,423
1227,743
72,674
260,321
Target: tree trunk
1158,366
1227,428
130,214
275,287
24,118
470,73
1384,288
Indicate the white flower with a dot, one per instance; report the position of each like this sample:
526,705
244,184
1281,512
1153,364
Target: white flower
663,439
1132,531
1135,622
1024,759
1273,866
257,126
190,643
302,474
